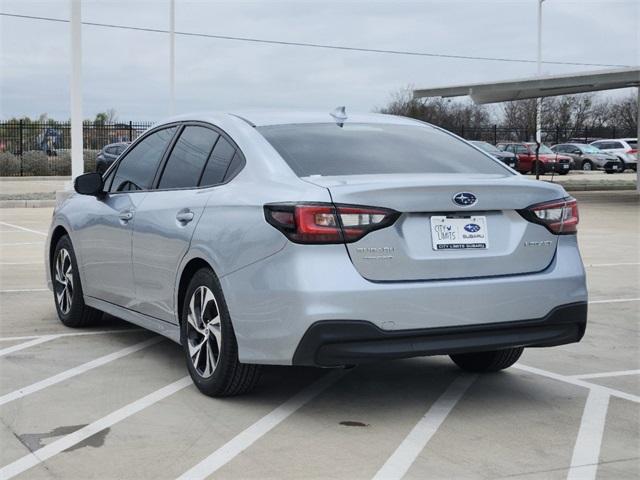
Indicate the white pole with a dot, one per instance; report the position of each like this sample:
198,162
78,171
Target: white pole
77,163
172,57
638,146
539,100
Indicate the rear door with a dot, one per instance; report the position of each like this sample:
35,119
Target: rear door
168,216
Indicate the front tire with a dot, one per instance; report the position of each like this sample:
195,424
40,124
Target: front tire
209,342
487,361
587,166
67,289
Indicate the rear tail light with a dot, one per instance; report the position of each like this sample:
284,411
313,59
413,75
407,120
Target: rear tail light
633,151
559,216
327,223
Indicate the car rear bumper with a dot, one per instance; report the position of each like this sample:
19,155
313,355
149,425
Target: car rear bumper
344,342
274,302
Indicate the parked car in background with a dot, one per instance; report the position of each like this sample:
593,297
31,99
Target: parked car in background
587,157
526,153
108,155
507,158
626,149
290,238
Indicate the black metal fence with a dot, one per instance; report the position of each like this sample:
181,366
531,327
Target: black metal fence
550,135
43,148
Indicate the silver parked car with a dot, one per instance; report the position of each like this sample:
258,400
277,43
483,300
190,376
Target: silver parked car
317,239
587,157
626,149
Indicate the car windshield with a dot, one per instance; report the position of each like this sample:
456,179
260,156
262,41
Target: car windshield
588,149
360,149
543,149
487,147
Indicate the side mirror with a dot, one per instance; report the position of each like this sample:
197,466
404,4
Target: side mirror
89,184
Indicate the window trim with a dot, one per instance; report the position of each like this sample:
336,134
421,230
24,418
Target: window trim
221,133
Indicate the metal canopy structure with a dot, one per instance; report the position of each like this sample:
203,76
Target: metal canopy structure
543,86
538,87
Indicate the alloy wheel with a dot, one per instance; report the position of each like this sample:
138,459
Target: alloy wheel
204,333
64,281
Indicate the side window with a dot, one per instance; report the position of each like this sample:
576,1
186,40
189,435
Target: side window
615,145
521,149
560,149
138,167
188,157
218,163
234,167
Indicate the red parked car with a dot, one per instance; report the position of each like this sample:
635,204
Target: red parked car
526,152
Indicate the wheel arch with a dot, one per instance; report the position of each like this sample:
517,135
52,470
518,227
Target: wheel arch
56,235
189,269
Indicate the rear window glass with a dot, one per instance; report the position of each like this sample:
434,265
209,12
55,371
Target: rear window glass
633,143
361,149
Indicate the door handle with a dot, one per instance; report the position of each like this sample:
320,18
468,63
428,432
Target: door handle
126,216
184,216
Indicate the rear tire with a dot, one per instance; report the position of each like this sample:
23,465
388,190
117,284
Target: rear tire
487,361
209,342
623,166
587,166
67,289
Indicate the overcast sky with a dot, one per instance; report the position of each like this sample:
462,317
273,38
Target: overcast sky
128,70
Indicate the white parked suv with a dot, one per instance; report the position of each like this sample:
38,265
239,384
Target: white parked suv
626,149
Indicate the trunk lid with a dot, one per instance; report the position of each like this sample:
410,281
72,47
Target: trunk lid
405,251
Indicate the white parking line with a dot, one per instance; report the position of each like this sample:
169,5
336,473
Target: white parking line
401,460
23,228
580,383
71,334
624,264
619,373
250,435
85,367
30,343
48,451
586,452
23,263
615,300
24,290
17,244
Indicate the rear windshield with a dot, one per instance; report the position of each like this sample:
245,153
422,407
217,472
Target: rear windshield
361,149
633,143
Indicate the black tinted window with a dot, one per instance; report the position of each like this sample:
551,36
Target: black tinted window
138,167
188,157
360,149
218,163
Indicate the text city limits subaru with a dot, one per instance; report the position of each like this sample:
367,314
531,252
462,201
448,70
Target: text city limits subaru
319,239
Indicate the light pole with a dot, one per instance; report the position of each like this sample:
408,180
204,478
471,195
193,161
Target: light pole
539,99
77,163
172,57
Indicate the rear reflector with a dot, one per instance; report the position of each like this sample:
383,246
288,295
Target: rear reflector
559,216
327,223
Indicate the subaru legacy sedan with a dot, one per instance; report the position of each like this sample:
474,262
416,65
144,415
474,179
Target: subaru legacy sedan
318,239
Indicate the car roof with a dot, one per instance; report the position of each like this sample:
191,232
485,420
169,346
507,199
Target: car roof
261,118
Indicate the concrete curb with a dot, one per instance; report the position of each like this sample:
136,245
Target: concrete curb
27,203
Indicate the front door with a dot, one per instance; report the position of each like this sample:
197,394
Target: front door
107,230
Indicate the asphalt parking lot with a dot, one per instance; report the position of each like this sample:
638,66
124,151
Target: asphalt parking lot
113,401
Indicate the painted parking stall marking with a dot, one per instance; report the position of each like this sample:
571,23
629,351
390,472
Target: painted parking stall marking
60,377
249,436
32,459
401,460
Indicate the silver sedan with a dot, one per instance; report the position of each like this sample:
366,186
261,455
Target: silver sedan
318,239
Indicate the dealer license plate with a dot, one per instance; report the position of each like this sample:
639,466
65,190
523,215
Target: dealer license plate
459,233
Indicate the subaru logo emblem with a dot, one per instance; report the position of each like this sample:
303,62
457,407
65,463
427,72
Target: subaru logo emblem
464,199
472,227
